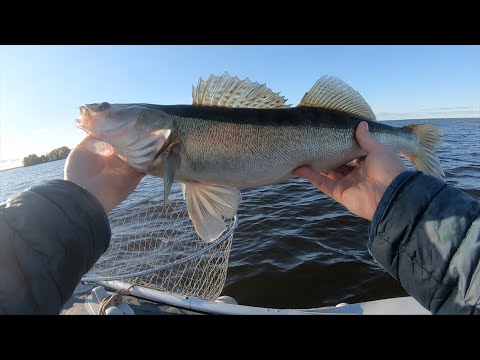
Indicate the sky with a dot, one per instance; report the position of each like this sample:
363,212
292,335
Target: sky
41,87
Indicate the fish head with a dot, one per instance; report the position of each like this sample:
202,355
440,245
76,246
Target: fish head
135,131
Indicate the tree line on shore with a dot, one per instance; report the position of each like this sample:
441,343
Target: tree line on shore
55,154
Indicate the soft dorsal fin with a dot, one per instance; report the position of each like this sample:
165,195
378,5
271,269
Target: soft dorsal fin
230,91
332,93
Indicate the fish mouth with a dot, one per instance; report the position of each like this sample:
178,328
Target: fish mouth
84,120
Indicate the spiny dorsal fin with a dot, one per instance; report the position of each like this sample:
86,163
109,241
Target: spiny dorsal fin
232,92
332,93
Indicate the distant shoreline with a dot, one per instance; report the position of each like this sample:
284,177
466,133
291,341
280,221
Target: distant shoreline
40,163
21,166
467,118
16,167
412,120
55,154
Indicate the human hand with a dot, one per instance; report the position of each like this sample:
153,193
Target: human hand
361,190
106,176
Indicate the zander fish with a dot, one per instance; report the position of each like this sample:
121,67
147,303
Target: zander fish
239,134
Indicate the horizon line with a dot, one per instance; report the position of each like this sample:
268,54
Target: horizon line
403,119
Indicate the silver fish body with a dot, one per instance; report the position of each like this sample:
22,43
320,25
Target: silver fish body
244,148
239,134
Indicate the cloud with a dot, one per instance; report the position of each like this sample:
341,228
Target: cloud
447,112
473,108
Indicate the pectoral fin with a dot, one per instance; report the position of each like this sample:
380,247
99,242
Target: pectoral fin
208,206
171,160
168,177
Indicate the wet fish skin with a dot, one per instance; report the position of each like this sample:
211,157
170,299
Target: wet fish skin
253,147
239,134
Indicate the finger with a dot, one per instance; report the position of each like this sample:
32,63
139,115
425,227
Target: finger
123,167
352,163
97,146
334,175
103,149
345,169
132,176
134,173
359,160
303,171
365,139
321,182
342,186
348,181
87,141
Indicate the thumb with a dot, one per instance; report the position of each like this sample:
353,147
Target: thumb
97,146
365,139
321,182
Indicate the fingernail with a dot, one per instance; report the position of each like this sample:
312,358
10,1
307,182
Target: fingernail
366,125
102,148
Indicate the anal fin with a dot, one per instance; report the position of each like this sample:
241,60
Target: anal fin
208,206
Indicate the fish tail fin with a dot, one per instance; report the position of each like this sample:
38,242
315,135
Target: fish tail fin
425,159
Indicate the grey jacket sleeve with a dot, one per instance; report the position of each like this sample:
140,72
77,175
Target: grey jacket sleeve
50,236
426,234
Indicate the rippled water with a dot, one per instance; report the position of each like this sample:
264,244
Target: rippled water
294,247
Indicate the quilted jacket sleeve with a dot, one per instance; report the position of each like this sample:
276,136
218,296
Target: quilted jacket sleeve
50,235
426,234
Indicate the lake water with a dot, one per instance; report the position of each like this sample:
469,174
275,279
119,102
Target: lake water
294,247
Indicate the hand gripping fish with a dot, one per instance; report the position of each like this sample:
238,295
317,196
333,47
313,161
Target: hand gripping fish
239,134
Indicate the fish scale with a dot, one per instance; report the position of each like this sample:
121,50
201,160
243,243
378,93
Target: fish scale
239,134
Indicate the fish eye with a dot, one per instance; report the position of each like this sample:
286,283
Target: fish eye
103,106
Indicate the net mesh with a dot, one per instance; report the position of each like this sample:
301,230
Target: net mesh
158,248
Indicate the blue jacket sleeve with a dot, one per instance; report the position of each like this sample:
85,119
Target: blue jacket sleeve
50,236
426,234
